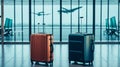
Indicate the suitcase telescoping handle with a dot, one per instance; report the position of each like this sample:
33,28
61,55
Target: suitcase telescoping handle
38,27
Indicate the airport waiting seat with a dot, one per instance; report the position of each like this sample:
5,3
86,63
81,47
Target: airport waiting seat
111,28
8,27
113,22
107,26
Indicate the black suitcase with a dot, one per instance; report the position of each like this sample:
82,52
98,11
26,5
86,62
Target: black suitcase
81,48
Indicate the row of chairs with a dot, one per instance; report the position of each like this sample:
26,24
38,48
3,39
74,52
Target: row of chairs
7,27
111,28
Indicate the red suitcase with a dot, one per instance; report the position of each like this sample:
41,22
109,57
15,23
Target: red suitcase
42,48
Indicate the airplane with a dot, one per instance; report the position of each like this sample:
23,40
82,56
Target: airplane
64,10
41,13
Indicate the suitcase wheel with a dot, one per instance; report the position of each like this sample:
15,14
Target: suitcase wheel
91,64
46,63
69,61
51,61
50,64
75,62
37,63
84,63
31,61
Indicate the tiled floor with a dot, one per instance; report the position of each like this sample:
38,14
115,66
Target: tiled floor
19,56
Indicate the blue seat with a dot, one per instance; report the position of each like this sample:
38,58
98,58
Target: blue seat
113,26
8,27
107,31
111,29
113,22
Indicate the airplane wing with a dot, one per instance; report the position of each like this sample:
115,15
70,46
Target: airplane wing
34,13
40,12
46,14
65,9
75,8
71,10
58,11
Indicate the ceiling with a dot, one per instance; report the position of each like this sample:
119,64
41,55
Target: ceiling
57,2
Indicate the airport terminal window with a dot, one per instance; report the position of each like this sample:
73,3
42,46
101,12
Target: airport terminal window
18,23
113,16
75,19
97,22
19,15
51,19
25,32
90,18
65,24
46,18
9,15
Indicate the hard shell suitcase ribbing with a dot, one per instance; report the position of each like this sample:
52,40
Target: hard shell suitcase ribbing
41,48
81,48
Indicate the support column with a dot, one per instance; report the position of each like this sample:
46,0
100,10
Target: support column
94,17
2,20
60,20
30,23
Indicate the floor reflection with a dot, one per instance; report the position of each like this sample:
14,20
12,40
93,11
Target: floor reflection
19,56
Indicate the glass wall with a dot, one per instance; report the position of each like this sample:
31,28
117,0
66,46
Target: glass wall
61,18
46,18
106,21
18,13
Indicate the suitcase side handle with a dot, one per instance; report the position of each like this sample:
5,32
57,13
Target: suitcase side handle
92,44
51,49
51,45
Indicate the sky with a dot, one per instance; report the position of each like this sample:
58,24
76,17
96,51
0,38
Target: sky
9,12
